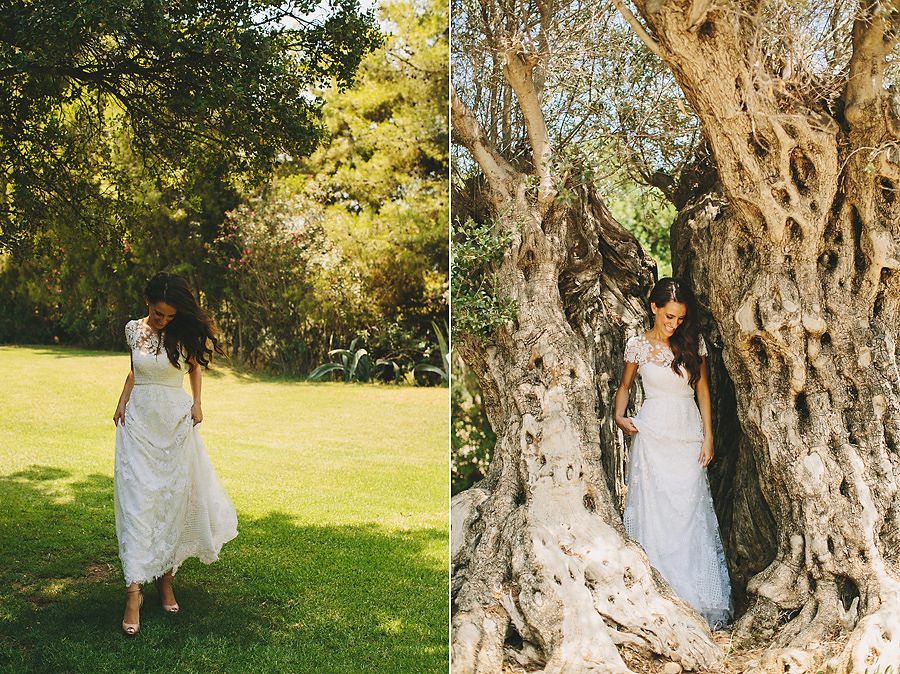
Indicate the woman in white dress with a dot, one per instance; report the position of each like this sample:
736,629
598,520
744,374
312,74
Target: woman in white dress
668,507
170,504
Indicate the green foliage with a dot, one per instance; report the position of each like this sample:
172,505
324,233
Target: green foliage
223,78
388,136
646,214
80,286
444,371
381,174
280,280
379,184
477,306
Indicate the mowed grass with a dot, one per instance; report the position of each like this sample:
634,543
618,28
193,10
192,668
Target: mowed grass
340,564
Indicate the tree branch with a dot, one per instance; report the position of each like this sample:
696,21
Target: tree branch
518,67
638,27
870,50
471,134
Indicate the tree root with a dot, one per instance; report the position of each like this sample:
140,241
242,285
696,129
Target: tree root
802,644
874,646
576,590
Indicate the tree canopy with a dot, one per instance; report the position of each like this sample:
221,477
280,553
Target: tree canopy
189,80
345,246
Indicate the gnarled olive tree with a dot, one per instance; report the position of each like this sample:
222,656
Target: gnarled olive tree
797,264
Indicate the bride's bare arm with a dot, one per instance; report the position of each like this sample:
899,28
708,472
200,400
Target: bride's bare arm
623,393
703,402
196,381
123,399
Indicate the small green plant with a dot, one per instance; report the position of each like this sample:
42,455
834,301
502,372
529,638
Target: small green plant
444,372
353,363
478,306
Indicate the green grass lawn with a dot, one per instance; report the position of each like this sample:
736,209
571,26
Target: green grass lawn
340,564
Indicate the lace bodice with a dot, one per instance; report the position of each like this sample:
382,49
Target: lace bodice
655,367
639,350
139,336
148,357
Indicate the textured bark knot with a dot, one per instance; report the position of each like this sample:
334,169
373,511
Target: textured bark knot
812,478
803,171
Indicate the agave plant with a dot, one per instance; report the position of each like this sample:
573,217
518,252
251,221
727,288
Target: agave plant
445,356
353,362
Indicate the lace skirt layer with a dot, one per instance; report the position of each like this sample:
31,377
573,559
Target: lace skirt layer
170,504
669,509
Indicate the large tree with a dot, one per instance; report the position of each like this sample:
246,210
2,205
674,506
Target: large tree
230,78
796,262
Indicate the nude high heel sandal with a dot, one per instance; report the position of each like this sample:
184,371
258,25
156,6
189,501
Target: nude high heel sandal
168,608
132,628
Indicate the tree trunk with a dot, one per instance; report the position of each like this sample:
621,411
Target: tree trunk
804,291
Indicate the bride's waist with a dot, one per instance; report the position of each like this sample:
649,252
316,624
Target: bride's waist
173,385
663,396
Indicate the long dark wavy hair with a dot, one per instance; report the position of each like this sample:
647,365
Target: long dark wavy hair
685,342
192,333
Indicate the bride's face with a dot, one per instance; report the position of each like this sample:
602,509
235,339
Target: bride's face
161,314
669,316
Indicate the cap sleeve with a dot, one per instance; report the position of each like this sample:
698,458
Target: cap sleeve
637,349
131,333
701,348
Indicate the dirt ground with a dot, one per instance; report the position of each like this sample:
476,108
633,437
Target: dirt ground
732,661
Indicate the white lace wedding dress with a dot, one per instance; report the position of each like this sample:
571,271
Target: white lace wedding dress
170,504
668,508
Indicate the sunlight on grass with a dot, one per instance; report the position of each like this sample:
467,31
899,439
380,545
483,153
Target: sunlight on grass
340,564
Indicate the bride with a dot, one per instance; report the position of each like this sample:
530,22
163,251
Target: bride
668,507
170,504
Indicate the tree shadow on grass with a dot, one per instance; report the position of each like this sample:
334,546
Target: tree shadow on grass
221,367
283,598
65,351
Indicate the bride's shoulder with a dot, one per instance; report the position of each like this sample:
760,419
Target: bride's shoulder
637,349
133,330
